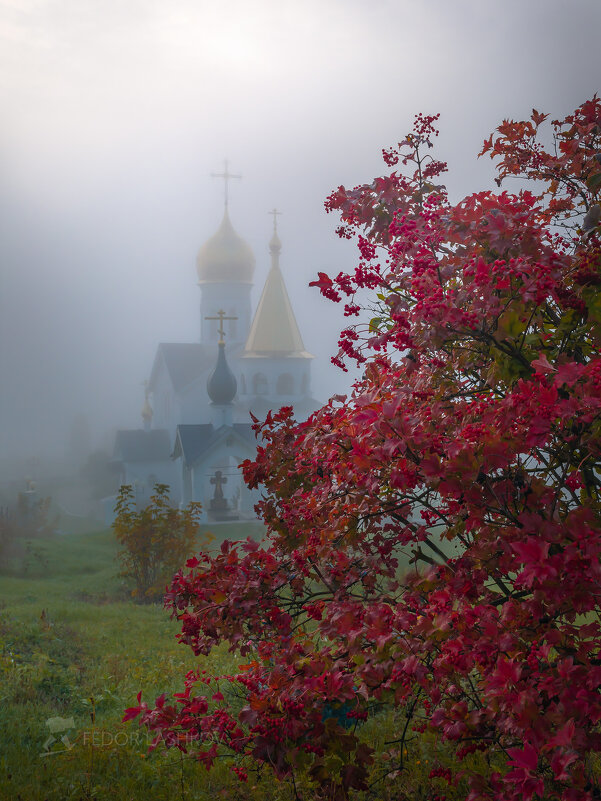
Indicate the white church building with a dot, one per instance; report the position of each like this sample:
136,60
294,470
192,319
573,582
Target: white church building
199,396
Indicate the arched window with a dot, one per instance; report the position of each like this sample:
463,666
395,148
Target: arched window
260,386
243,385
305,384
285,384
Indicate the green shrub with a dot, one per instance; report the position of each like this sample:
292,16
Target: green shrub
156,540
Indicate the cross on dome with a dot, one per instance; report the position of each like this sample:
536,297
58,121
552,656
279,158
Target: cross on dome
227,176
221,316
275,214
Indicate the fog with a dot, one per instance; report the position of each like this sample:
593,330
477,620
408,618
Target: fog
115,112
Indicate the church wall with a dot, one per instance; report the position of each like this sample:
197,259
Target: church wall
194,402
165,403
225,459
248,499
170,414
142,476
283,381
280,379
186,494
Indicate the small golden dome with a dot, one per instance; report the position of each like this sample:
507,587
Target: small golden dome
225,257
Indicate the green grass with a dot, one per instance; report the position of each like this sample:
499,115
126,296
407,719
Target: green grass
74,651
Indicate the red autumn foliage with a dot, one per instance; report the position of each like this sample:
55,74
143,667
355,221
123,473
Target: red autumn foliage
434,540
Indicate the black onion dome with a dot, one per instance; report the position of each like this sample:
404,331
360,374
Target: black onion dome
222,384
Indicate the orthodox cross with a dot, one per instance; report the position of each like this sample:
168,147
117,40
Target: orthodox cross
221,316
275,213
218,480
227,176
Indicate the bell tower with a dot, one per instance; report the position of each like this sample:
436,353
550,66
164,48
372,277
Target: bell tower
225,265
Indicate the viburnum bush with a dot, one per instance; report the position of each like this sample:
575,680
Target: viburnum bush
434,540
155,540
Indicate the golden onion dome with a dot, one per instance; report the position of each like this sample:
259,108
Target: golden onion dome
225,257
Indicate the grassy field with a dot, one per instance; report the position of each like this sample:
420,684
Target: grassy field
74,651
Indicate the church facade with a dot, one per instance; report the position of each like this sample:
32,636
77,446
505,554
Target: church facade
200,395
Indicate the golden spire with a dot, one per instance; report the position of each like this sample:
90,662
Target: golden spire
274,330
275,245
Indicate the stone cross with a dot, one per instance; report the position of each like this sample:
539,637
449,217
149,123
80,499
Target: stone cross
218,480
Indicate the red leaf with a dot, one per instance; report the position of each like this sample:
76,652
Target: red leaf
526,757
130,713
563,736
324,281
542,365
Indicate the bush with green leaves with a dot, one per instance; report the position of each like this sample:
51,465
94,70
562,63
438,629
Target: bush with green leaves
155,540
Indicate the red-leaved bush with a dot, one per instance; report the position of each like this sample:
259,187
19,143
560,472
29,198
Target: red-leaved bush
434,540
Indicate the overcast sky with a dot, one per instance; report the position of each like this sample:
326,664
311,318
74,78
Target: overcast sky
114,113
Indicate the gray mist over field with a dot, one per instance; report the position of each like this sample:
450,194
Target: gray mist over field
115,112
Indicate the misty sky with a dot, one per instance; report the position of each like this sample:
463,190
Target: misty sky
114,113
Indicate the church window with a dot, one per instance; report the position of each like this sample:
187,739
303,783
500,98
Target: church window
243,385
260,386
305,385
285,384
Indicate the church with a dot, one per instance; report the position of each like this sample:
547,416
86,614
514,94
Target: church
200,395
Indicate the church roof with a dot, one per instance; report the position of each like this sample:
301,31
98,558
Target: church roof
138,445
274,330
191,441
225,256
185,362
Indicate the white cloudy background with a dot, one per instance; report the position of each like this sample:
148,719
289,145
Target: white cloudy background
114,112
